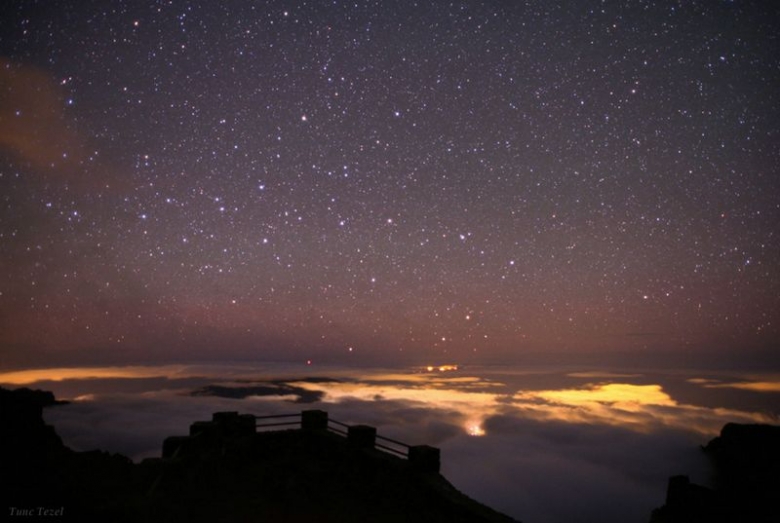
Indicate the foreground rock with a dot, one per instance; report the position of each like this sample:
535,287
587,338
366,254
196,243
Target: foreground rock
218,474
746,461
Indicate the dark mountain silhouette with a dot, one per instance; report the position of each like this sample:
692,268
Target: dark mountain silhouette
224,471
746,461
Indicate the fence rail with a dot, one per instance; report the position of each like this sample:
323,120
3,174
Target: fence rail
222,424
363,436
340,428
402,451
262,424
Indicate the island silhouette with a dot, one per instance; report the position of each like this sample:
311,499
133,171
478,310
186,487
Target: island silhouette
746,482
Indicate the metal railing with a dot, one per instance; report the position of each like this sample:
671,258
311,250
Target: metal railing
339,428
264,425
395,449
421,457
392,446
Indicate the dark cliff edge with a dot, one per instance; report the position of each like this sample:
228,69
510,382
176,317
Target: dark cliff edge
746,463
216,475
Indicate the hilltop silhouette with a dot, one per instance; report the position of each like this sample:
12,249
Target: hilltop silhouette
223,471
746,462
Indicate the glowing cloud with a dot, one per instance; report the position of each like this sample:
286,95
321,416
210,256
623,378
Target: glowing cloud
642,408
755,386
621,395
26,377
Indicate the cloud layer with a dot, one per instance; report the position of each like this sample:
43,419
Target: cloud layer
553,447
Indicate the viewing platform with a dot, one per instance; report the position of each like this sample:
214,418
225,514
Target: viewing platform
358,437
295,468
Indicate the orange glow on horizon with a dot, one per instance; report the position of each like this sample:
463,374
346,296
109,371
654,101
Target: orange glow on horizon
756,386
467,400
26,377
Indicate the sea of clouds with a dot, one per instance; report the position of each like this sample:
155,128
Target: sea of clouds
542,445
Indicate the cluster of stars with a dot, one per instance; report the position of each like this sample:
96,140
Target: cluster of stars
290,179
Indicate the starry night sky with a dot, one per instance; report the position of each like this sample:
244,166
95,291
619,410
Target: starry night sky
372,181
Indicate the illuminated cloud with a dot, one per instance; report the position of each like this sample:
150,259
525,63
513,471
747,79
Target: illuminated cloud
467,400
216,371
755,383
26,377
453,396
701,381
640,408
34,125
643,408
621,395
601,374
755,386
548,450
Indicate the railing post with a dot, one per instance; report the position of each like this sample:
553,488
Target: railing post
361,436
234,424
314,420
425,458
